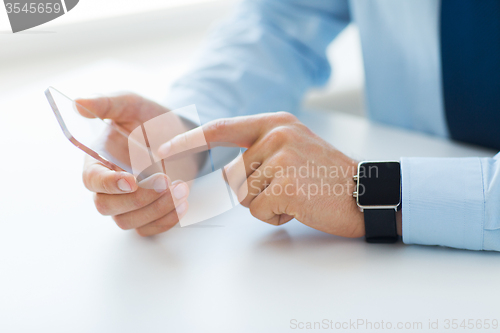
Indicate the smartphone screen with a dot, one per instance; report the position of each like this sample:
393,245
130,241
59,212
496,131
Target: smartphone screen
99,138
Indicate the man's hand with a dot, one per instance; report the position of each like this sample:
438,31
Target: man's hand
291,172
149,211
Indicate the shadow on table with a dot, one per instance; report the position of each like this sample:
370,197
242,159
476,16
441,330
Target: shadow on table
282,240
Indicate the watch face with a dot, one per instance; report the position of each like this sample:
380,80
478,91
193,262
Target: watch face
379,184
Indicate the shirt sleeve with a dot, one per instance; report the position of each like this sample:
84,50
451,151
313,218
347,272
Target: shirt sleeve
262,59
452,202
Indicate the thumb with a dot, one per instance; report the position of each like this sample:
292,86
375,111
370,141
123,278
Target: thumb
120,108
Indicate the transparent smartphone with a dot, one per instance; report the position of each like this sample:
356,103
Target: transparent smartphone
101,139
210,187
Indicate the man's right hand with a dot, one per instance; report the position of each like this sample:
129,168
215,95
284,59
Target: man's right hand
149,211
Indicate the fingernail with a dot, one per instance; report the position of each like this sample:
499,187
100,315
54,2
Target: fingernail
124,185
160,185
180,191
164,149
181,208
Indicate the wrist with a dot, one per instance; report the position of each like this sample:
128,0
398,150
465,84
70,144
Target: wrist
378,195
356,215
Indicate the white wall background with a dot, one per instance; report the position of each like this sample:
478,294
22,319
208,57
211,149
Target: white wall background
155,36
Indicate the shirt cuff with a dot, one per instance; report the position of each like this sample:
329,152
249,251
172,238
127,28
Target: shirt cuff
443,202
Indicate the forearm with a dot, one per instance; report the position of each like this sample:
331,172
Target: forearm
261,59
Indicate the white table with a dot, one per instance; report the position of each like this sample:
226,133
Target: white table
65,268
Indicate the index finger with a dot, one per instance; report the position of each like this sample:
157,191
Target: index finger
242,131
98,178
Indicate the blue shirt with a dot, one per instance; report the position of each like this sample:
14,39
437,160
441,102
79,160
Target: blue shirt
270,52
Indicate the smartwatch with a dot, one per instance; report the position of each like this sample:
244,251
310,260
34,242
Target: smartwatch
378,196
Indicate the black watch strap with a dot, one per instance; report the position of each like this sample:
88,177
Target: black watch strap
380,225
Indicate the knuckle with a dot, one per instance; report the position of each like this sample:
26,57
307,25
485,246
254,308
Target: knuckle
254,210
179,143
282,158
217,126
288,132
161,225
100,204
109,103
143,233
85,178
121,222
160,206
139,200
257,213
88,176
245,191
167,224
133,99
103,181
245,202
275,137
285,182
303,128
285,117
281,135
174,219
273,221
